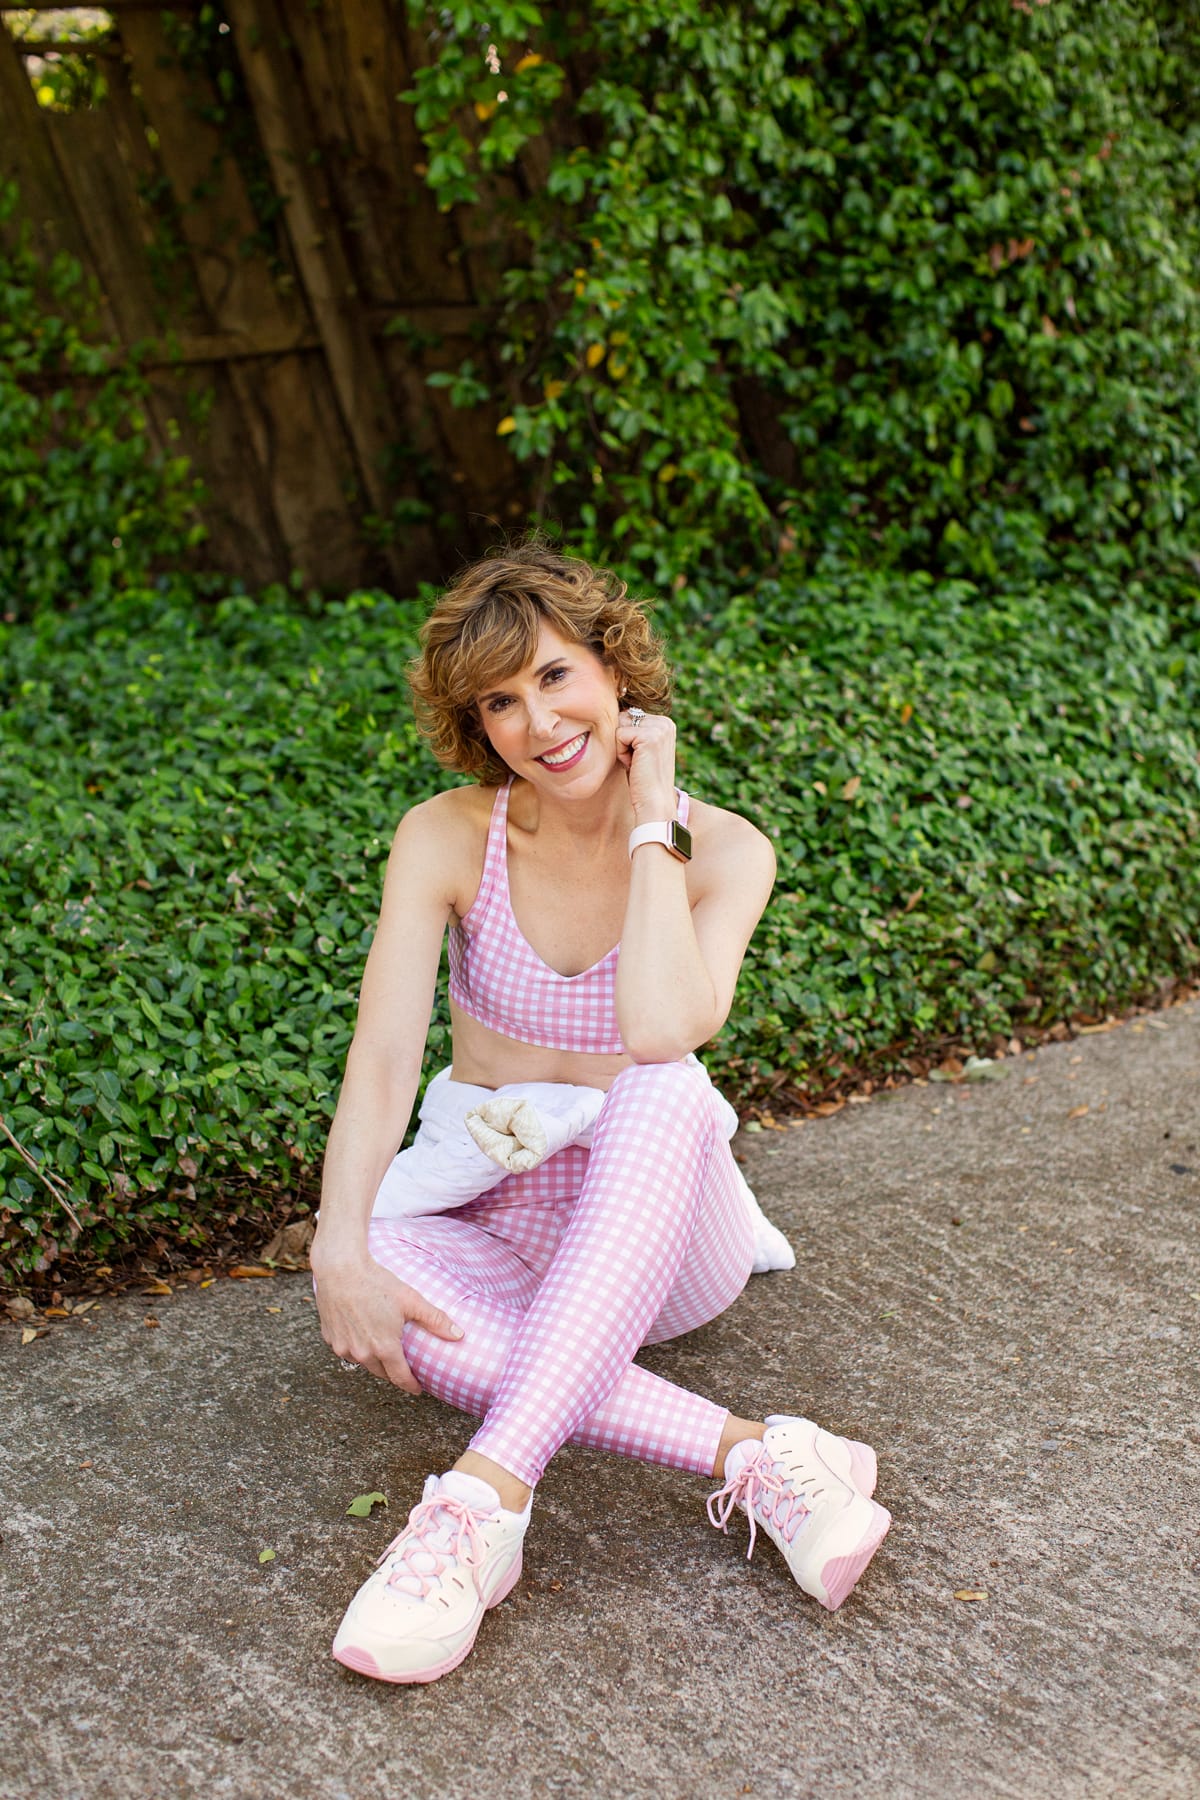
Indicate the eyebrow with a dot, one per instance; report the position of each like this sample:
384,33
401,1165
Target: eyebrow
553,663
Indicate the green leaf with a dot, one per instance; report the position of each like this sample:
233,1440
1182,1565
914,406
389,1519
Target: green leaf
360,1508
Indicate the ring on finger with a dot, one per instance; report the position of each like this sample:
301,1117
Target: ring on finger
349,1365
636,715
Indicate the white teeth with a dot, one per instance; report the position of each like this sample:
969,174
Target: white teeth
552,759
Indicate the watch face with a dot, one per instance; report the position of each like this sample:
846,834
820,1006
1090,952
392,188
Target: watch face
681,840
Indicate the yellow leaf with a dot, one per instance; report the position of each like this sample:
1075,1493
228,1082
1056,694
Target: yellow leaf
28,1335
668,472
484,109
970,1593
527,62
594,354
265,1556
45,96
552,389
617,368
249,1272
1077,1112
819,787
906,712
851,787
580,289
505,426
207,1283
618,338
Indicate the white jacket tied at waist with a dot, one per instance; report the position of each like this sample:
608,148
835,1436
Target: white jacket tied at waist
469,1138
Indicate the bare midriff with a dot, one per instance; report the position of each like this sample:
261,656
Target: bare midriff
487,1058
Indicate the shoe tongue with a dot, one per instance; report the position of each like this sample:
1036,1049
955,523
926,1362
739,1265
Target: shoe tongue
479,1495
741,1454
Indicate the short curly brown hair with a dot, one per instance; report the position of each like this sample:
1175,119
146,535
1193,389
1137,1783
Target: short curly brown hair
485,627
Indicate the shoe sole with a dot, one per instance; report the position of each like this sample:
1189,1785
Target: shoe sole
363,1663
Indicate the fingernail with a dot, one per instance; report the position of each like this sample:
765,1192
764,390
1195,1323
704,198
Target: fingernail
456,1331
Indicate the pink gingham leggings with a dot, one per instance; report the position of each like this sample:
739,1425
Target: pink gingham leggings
557,1278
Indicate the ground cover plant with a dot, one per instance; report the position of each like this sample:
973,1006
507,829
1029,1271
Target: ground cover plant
985,811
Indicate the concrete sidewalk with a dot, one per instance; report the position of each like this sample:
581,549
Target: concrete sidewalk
996,1288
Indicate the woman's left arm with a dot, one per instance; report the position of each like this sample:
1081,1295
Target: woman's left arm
682,944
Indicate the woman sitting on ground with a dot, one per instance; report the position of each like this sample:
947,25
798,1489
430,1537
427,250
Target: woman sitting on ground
598,920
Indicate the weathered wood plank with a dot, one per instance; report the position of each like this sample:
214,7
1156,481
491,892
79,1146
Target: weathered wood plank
245,305
355,65
363,395
27,158
117,232
216,216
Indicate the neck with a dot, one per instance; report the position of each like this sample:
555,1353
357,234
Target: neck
600,820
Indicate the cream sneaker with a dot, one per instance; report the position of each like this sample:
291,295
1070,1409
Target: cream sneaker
810,1492
417,1616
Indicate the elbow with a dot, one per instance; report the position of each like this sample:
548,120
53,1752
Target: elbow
648,1041
657,1049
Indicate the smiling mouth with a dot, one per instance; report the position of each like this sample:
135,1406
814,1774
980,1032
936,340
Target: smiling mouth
567,754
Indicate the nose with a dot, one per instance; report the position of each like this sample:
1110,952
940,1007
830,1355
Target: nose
543,720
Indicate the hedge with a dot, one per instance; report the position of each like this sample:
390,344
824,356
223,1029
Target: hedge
985,811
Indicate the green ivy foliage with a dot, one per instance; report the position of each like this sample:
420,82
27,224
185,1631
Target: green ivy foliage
87,506
985,811
904,285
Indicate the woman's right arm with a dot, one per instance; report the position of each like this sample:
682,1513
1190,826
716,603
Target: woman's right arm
363,1307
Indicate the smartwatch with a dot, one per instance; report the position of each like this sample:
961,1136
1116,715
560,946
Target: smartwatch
669,832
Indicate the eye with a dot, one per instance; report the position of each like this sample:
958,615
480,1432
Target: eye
498,703
557,674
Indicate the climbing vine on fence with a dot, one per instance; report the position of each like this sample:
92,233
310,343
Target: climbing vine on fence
901,283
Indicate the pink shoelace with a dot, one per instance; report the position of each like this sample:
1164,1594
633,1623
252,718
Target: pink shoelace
440,1532
759,1483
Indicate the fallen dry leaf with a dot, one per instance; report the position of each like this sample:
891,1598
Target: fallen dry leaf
851,787
826,1108
159,1288
150,1322
275,1309
1077,1112
21,1308
82,1306
56,1312
970,1593
248,1272
289,1247
1093,1030
28,1335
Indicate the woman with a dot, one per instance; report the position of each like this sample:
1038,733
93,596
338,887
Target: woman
598,920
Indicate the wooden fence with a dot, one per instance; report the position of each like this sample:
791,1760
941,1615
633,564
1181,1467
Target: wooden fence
291,282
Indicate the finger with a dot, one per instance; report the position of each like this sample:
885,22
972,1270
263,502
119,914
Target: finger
435,1321
397,1371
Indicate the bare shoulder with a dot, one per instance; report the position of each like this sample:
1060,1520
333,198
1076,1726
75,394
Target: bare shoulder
725,840
444,838
455,812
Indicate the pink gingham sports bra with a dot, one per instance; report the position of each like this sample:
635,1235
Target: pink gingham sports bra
497,977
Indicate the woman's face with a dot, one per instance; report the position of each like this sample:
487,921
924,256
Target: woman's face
554,722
